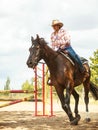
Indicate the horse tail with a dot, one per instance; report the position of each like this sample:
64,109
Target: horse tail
94,90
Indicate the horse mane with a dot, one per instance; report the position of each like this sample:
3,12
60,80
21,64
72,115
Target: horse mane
45,45
43,41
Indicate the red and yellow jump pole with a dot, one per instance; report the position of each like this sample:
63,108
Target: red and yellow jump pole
16,91
14,102
35,94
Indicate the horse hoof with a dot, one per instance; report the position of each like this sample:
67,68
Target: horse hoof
87,120
76,120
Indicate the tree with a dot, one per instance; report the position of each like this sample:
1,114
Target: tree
7,84
27,86
94,67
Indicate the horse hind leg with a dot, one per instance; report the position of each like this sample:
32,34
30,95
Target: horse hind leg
86,98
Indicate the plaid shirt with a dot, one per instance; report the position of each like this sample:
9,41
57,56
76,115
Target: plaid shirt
60,40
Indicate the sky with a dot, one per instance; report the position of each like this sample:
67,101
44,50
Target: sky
21,19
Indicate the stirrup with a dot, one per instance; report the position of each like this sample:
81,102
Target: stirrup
49,82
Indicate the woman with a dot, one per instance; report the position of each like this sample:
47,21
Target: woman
61,40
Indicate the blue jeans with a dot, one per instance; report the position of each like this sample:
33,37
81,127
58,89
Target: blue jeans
74,56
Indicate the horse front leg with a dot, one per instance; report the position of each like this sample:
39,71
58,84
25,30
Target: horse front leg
67,106
64,103
76,97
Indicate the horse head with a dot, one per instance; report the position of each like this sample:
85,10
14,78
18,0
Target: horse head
35,52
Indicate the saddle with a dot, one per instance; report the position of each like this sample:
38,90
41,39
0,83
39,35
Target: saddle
65,54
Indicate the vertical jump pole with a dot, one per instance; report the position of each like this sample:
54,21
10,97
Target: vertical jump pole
50,92
51,101
35,94
43,88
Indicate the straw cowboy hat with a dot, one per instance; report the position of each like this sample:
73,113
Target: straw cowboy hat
57,22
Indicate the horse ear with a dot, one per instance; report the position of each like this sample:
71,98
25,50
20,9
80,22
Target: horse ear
32,38
37,36
38,39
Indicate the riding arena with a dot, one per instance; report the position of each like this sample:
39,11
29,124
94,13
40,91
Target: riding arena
49,111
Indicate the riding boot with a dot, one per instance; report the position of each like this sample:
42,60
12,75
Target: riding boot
81,69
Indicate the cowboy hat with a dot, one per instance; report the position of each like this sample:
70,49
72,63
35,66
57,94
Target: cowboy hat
57,22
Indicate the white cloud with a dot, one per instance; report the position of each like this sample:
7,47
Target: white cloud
85,42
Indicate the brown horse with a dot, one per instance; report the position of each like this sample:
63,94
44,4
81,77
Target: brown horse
64,75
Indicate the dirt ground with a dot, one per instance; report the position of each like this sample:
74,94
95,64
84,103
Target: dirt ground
21,117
